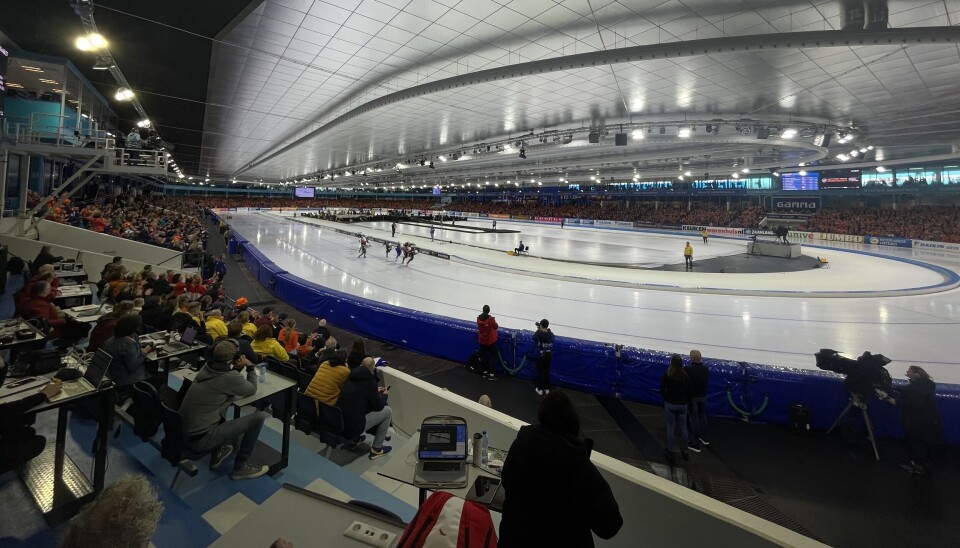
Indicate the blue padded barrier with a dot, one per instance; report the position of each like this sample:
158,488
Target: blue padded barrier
592,366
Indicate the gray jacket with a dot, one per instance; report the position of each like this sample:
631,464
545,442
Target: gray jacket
210,394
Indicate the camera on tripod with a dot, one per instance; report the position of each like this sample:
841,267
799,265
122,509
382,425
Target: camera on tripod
866,376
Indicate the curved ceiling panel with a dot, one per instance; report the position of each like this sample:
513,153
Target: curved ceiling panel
302,101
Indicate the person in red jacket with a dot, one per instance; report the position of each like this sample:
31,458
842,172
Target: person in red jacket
487,336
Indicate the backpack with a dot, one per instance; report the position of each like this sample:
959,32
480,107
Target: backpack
475,362
448,521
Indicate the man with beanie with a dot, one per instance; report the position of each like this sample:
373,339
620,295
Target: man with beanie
543,338
206,402
699,377
487,336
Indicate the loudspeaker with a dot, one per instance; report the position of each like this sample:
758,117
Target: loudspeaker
620,139
594,137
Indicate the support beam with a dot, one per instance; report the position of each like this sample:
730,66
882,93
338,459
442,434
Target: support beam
54,194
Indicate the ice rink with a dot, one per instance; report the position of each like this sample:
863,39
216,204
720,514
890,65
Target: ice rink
778,319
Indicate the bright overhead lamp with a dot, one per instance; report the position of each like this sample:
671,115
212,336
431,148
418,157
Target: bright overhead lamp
736,175
637,134
854,153
686,173
843,157
442,158
802,173
684,132
143,123
90,42
881,169
124,94
745,170
789,133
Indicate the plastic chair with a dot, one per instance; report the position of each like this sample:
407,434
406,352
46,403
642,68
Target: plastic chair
173,448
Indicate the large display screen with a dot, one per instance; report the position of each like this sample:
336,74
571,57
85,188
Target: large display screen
840,178
795,181
305,192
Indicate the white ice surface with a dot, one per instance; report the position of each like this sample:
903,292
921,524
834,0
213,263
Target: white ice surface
780,331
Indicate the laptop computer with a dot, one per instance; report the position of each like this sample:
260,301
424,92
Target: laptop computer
442,453
186,340
91,379
89,310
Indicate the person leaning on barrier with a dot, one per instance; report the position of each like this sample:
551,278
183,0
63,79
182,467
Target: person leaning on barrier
555,496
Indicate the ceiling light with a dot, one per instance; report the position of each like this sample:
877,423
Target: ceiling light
776,173
47,81
442,158
802,173
843,157
686,173
638,134
864,150
18,86
143,123
683,132
124,94
32,69
90,42
870,147
854,153
593,178
789,133
736,175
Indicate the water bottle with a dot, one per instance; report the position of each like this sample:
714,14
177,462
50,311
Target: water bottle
486,448
263,373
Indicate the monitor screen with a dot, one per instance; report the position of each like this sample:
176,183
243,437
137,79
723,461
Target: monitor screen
840,178
305,192
795,181
443,441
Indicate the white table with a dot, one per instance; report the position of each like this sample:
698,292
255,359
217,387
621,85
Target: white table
305,519
72,313
81,292
402,466
273,384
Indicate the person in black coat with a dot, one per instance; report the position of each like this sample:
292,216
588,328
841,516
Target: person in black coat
699,379
920,419
676,389
554,495
45,257
364,407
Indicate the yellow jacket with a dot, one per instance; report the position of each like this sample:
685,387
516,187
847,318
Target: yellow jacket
688,251
326,383
270,347
249,329
216,328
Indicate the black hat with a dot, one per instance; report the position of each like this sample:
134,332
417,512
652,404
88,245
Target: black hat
544,323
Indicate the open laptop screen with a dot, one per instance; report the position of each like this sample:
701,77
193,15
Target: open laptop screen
97,368
443,441
189,334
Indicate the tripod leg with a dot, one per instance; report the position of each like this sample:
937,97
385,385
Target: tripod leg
873,441
840,416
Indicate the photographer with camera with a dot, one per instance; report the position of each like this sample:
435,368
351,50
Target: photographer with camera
203,410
